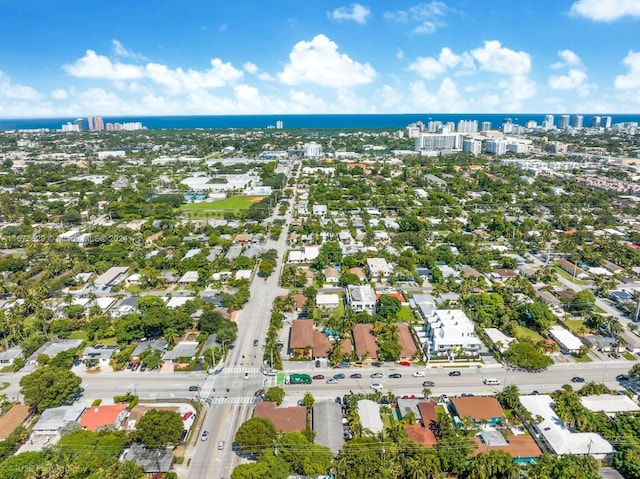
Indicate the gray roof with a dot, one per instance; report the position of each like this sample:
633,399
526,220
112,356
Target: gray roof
106,278
151,460
407,405
51,348
99,352
327,424
54,419
493,438
184,349
234,252
11,353
159,344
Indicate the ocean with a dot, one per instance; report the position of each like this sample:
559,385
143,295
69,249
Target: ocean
303,122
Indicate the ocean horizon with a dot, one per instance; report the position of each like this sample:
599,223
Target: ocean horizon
305,122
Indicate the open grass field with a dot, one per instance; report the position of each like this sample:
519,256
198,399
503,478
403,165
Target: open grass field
405,315
522,332
231,203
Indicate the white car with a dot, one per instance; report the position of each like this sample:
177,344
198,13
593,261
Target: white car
418,374
376,386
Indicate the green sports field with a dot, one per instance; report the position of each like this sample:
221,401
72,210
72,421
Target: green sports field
231,203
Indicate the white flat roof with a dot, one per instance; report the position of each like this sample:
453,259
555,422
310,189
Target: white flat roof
609,403
565,337
556,433
369,413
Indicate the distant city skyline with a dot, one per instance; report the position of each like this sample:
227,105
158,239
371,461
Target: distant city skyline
197,57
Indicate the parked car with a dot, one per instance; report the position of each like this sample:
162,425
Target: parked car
376,386
318,363
577,379
428,384
259,392
454,373
376,375
187,415
356,376
395,375
344,364
205,435
377,364
358,364
317,377
255,342
418,374
339,400
622,377
404,363
246,375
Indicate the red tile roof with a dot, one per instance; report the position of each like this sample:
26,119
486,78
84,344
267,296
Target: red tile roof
365,341
95,417
301,334
522,445
321,345
407,344
421,435
12,419
478,408
285,419
428,414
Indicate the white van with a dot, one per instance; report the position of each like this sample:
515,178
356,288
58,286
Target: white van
491,381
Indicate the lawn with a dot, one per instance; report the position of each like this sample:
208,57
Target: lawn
628,356
405,315
78,335
582,359
522,332
574,324
231,203
566,275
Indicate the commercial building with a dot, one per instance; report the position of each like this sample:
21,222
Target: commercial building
577,121
437,142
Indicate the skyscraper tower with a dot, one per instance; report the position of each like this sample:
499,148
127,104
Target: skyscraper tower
90,123
595,122
80,123
577,121
563,124
486,126
605,122
548,122
98,123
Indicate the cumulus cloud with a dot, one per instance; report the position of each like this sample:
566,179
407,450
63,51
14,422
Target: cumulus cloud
493,57
93,65
430,67
606,10
567,58
574,79
120,50
319,62
355,12
446,99
59,94
12,91
179,80
631,80
427,17
253,69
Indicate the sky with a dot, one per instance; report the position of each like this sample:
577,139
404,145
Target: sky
62,58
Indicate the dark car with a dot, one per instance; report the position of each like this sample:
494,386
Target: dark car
356,376
339,400
194,388
318,376
577,379
318,363
454,373
338,376
259,392
377,364
395,375
428,384
255,342
344,364
622,377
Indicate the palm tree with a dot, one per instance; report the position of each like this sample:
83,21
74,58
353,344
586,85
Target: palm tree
426,392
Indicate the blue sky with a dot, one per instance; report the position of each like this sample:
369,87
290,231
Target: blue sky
165,57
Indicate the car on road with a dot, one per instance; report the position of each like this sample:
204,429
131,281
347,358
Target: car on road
356,376
376,375
454,373
255,342
339,376
143,367
270,372
376,386
577,379
622,377
332,381
187,415
318,363
194,388
535,392
317,377
205,435
404,363
344,364
339,400
428,384
259,392
389,290
220,445
246,375
418,374
395,375
377,364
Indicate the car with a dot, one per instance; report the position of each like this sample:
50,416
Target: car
428,384
143,367
77,362
194,388
344,364
339,376
577,379
358,364
356,376
259,392
183,436
255,342
376,386
454,373
376,375
444,398
395,375
318,377
389,290
205,435
187,415
404,363
622,377
246,375
535,392
270,372
129,365
418,374
332,381
466,395
615,356
220,445
318,363
377,364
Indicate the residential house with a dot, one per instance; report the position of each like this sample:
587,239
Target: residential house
285,419
13,418
112,277
111,416
184,350
319,210
481,409
361,298
8,356
568,342
331,275
157,460
378,268
153,345
572,269
503,274
359,272
522,447
451,334
365,341
99,354
189,277
53,420
408,347
327,301
321,345
301,338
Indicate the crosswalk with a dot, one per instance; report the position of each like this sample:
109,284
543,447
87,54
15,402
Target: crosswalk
240,371
233,400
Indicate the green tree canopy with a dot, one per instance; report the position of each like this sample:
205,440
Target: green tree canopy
256,435
159,428
49,387
525,355
275,394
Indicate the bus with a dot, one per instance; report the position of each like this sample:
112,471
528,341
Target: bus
298,379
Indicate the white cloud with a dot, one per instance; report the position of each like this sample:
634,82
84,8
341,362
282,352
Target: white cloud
430,67
59,94
12,91
120,50
493,57
567,58
99,66
447,99
179,80
572,80
355,12
631,80
319,62
606,10
427,17
250,67
223,28
400,54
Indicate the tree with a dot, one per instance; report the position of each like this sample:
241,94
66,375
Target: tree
583,301
524,354
266,268
274,394
308,401
49,387
540,316
268,465
158,428
256,435
388,306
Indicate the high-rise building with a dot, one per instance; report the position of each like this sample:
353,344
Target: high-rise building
563,124
98,123
577,121
468,126
472,146
80,123
486,126
90,122
548,122
605,122
595,122
435,142
279,125
496,146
